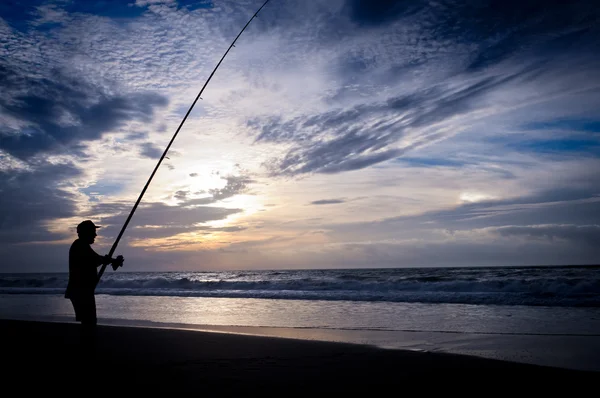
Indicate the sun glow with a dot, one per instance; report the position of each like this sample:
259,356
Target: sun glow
205,182
474,197
248,204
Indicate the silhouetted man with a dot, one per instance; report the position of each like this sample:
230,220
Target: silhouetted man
83,276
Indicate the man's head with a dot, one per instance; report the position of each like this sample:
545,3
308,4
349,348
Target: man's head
87,231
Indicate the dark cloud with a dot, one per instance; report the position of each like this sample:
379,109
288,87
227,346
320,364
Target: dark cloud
431,162
542,231
366,134
359,137
500,28
492,29
150,150
325,159
455,37
163,215
499,21
22,15
517,213
327,201
168,219
586,234
181,195
60,111
465,254
548,214
450,103
108,208
566,206
169,231
539,36
560,146
235,185
30,199
154,220
377,12
138,135
468,36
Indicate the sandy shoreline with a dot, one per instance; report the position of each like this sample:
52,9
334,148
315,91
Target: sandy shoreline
44,357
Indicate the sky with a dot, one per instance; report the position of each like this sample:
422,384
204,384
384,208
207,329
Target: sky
335,134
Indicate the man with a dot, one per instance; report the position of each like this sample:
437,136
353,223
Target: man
83,275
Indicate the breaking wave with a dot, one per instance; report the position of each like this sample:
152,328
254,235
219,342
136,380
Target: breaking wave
533,286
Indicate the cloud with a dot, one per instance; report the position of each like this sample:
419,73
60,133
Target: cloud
581,234
151,151
181,195
135,136
415,161
343,140
378,12
327,201
58,112
437,64
571,216
235,185
141,233
421,104
160,219
31,198
466,254
495,28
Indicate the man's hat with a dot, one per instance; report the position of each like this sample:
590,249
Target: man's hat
86,226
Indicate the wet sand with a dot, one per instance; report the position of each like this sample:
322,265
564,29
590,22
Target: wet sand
47,358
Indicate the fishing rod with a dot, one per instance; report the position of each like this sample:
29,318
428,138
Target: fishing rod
114,246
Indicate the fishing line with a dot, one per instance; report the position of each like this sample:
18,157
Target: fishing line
114,246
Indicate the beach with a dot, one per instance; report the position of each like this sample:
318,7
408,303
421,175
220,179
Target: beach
46,357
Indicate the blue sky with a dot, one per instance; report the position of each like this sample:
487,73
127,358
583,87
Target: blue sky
344,133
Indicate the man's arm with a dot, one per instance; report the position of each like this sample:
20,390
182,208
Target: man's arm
106,259
98,259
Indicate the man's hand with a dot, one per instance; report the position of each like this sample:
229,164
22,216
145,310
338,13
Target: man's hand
106,259
117,262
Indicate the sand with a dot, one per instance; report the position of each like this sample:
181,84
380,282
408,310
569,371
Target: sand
46,358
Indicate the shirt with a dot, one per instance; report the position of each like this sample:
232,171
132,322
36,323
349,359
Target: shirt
83,274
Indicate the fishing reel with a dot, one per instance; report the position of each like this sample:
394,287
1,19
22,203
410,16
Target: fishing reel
118,262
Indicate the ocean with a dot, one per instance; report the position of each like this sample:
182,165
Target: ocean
543,315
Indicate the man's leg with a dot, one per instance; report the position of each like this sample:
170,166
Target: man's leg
76,307
88,326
